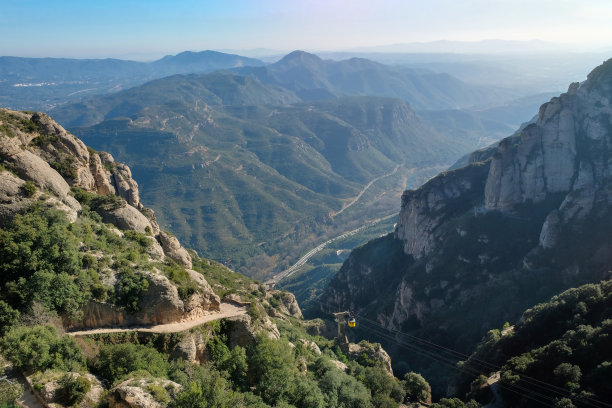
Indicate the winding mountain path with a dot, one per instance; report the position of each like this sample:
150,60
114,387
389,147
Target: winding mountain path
225,310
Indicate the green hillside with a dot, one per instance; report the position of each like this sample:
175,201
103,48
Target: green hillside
243,177
559,352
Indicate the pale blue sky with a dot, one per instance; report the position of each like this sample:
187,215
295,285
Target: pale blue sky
88,28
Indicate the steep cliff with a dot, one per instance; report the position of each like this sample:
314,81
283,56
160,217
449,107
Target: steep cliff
475,246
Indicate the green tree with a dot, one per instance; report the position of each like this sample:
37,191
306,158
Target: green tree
72,389
9,392
237,367
29,188
272,369
41,348
417,388
116,361
342,390
8,316
131,288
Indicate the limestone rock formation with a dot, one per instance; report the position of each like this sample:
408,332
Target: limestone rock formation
49,386
173,249
43,163
425,209
243,330
374,351
135,393
531,212
288,304
126,218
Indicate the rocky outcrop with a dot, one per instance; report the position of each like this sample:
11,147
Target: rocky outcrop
534,210
373,351
566,151
13,198
287,303
243,330
126,217
192,348
48,388
137,393
42,162
173,249
125,186
204,300
161,304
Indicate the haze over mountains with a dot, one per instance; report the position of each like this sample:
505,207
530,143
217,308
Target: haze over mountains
41,83
286,135
255,164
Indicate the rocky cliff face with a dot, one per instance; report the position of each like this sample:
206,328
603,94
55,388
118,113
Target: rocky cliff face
42,163
517,223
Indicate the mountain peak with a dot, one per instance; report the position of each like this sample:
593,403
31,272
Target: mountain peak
301,58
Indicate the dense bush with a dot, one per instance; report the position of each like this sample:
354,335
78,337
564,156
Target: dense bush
40,348
115,362
8,316
9,392
72,389
417,388
131,286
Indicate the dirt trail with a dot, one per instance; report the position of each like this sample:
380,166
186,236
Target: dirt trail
226,310
28,399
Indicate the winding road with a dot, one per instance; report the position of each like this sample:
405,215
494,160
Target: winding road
364,189
291,270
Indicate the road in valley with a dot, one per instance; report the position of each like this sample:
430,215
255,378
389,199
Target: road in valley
291,270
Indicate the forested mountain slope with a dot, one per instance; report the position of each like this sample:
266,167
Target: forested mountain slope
241,174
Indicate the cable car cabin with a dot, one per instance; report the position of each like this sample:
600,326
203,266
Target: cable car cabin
352,322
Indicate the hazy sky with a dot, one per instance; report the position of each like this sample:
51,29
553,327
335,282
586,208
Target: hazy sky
90,28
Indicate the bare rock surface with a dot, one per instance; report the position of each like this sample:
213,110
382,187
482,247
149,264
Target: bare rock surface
173,250
135,393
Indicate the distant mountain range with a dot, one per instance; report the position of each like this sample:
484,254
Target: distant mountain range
313,78
41,83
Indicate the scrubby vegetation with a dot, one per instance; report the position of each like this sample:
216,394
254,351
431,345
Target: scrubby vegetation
45,259
560,349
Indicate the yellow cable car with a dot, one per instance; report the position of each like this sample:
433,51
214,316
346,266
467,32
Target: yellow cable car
352,322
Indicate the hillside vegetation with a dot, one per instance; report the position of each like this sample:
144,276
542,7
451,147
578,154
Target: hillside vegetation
253,183
78,250
559,352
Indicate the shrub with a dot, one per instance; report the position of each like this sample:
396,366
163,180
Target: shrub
417,388
40,348
9,392
116,361
72,389
131,287
29,188
8,316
